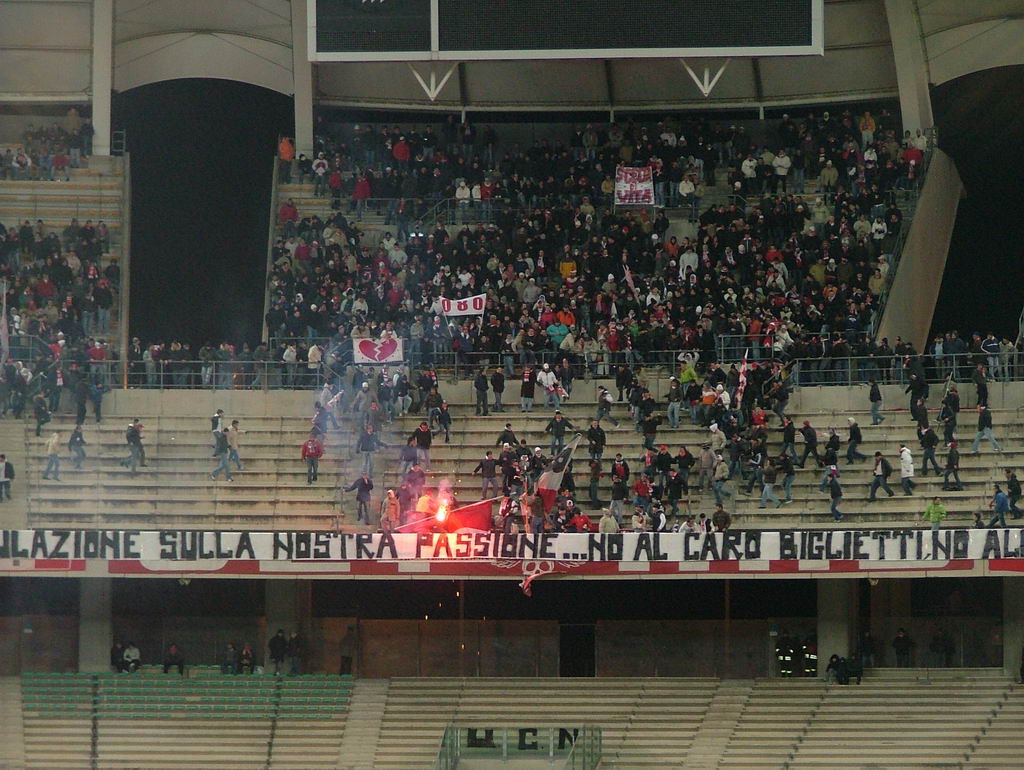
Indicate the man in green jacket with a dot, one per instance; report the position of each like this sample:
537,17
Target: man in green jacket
935,513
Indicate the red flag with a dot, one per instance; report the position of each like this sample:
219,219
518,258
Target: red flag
550,480
743,381
473,516
525,583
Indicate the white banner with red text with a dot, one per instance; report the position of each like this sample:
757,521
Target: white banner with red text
465,306
634,186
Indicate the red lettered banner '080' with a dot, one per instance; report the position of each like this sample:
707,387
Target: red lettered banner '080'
466,306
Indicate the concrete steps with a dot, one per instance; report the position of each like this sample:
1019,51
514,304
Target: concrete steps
719,724
363,727
301,744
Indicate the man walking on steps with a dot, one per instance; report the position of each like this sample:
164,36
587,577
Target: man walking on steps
312,451
853,442
875,397
985,430
880,476
221,451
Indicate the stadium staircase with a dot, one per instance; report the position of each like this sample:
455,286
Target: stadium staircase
719,724
363,726
95,192
473,435
998,744
152,721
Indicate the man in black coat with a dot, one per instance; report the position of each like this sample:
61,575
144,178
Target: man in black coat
498,386
278,648
480,388
810,443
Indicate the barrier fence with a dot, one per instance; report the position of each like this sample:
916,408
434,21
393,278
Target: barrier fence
272,375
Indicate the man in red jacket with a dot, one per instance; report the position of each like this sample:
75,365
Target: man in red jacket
360,195
580,522
312,451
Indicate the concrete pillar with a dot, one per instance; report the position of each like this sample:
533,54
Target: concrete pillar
102,73
835,626
302,77
911,64
1013,625
95,623
286,605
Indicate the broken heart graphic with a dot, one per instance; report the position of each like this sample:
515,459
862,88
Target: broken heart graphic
378,351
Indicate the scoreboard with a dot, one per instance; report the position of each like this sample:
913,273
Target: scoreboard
466,30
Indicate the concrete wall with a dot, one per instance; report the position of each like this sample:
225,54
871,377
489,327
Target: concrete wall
737,649
289,403
915,289
202,403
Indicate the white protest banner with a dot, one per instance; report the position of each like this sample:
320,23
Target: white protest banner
466,306
387,350
634,186
893,547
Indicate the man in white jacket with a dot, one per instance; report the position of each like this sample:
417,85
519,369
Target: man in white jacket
547,380
906,470
781,164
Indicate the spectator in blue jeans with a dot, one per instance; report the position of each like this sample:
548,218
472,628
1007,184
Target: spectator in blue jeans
1000,506
52,457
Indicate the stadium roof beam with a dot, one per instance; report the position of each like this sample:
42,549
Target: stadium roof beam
708,83
463,90
755,67
609,85
434,87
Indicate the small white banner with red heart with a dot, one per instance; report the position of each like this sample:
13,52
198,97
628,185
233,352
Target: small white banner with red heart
387,350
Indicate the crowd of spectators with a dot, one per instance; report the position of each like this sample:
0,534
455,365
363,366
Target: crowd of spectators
56,280
47,153
569,277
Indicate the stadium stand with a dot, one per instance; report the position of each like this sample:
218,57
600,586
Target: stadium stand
812,262
776,242
230,722
61,244
271,491
646,723
174,488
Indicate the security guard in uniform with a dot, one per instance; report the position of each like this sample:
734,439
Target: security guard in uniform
810,650
785,651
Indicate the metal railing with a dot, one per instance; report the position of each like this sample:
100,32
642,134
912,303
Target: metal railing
730,348
889,369
211,375
238,374
448,750
586,751
430,210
